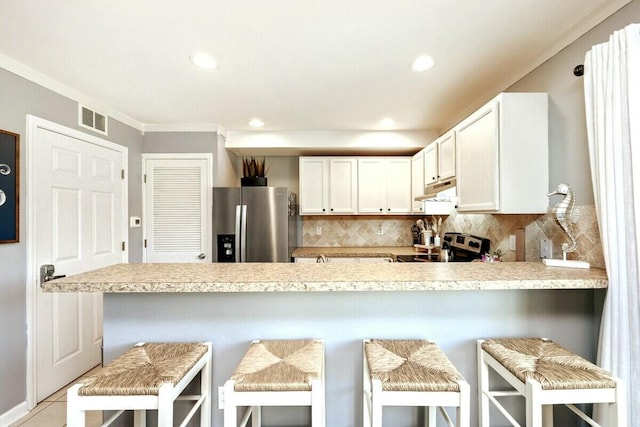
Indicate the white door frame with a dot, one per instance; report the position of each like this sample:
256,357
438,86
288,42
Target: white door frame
176,156
33,123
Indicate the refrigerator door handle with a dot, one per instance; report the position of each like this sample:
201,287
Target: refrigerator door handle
237,233
243,235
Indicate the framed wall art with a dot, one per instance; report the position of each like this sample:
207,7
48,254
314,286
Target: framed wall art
9,186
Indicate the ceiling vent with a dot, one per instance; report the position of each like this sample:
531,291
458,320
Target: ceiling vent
88,118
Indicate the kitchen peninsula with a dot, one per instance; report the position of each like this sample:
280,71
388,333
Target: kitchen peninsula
453,304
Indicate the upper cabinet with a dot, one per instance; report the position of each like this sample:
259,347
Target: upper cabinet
314,185
343,188
328,185
446,156
440,159
502,156
417,181
384,185
352,185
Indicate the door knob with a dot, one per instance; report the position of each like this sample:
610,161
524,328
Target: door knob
202,256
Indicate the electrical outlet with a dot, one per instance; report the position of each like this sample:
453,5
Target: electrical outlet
380,230
512,242
318,231
546,249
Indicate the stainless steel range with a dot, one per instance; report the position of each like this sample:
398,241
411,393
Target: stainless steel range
456,247
465,247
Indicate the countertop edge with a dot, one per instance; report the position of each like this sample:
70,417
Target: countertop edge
313,277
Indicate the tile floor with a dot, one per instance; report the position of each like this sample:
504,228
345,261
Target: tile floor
52,412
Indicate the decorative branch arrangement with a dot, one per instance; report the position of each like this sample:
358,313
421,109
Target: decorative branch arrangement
253,167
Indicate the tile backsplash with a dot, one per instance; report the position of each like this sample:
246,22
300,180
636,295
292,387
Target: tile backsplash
396,231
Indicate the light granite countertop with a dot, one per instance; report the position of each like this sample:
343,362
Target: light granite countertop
355,251
301,277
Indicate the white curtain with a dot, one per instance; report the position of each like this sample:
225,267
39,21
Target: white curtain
612,98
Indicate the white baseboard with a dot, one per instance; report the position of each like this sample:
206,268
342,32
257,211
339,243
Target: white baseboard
14,414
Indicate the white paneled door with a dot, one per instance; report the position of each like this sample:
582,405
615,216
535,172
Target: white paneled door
177,212
79,211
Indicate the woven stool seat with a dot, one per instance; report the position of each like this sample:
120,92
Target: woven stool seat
411,365
411,373
545,374
552,365
275,373
143,369
148,376
279,365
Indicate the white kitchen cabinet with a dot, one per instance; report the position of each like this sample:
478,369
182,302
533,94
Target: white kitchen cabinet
343,185
430,163
384,185
440,159
346,260
306,260
314,185
502,156
417,181
398,185
447,156
328,185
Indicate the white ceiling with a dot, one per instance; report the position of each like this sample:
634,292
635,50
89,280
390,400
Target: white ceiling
295,64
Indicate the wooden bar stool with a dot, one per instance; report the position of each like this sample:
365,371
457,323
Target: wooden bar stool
147,376
276,373
412,373
546,374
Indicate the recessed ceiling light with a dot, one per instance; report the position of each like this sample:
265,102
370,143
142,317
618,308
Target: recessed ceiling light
387,122
203,61
422,63
256,123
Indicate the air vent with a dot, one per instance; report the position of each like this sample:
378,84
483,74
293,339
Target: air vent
91,119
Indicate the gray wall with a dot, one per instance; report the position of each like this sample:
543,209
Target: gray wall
568,146
18,98
225,173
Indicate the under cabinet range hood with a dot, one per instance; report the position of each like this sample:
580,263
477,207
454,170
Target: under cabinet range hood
440,191
439,198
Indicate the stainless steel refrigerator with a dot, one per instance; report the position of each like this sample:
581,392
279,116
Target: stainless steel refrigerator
252,224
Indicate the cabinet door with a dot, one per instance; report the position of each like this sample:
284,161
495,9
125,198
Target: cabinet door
417,181
343,188
314,182
371,185
398,185
303,260
447,156
431,163
478,175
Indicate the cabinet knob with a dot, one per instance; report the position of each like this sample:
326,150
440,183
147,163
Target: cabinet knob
388,209
331,209
324,210
380,209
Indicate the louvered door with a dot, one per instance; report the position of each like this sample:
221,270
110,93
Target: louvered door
177,208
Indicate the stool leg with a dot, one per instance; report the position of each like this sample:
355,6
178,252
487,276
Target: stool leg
205,390
230,409
376,404
463,418
483,387
547,415
430,416
317,404
618,409
139,418
75,415
534,407
165,406
256,416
